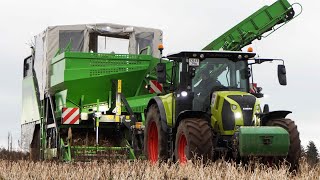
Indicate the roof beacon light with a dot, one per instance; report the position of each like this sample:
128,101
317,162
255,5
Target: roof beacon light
250,49
160,47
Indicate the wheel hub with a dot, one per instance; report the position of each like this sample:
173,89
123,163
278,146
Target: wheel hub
153,142
182,148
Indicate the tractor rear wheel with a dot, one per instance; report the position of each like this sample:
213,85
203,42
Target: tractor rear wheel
295,147
155,138
193,139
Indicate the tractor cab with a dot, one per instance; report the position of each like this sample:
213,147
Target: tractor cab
196,75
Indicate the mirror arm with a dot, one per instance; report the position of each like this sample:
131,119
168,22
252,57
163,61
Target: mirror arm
260,61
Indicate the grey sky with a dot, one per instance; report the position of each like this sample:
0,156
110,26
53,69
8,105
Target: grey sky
187,25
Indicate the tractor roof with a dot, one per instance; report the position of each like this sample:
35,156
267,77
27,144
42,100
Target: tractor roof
211,54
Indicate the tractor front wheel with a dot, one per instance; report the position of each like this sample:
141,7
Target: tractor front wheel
193,139
155,138
294,148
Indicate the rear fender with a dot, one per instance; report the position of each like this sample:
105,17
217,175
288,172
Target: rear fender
265,117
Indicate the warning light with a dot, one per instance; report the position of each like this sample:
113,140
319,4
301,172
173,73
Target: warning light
160,47
138,125
250,49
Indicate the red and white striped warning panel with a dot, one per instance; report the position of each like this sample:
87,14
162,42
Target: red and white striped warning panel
155,86
253,88
70,115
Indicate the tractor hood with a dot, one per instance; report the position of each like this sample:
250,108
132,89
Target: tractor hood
232,109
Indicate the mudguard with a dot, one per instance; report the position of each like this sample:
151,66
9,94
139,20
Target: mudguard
265,117
163,116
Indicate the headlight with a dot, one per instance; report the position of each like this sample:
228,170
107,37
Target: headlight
234,107
184,93
237,115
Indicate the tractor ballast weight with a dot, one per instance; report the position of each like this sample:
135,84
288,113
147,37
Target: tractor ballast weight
263,141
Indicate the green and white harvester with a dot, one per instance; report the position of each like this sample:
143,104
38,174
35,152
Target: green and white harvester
82,103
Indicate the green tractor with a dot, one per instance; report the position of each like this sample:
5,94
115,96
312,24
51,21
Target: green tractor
210,112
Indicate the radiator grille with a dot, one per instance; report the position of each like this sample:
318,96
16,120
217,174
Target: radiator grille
246,103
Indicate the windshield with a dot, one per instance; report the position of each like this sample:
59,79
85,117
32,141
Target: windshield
220,74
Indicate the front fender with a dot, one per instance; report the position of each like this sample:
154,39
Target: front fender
265,117
163,117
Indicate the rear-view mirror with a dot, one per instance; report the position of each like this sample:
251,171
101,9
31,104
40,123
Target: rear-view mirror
282,74
161,72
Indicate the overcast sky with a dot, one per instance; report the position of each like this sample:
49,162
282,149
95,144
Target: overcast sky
187,25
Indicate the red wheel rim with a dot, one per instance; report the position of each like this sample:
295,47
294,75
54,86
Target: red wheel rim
153,142
181,149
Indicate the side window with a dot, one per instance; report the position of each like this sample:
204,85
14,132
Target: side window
238,80
144,42
75,38
241,71
27,67
224,77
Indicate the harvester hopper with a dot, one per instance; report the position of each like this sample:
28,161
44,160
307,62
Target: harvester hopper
89,101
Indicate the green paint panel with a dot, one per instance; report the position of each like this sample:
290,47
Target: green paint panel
167,101
263,141
252,27
90,74
139,103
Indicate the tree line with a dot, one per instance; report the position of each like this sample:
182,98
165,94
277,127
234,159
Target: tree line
310,153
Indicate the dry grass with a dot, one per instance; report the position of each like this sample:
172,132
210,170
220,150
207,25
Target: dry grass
143,170
12,155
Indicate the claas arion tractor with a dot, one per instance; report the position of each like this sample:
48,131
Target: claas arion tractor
209,112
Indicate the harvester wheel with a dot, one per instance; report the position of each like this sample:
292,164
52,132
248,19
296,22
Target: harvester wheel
155,138
35,146
294,148
193,139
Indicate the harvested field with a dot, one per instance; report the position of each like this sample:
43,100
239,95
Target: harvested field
143,170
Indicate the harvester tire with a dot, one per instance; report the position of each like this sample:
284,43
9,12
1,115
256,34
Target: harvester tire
35,146
295,147
193,140
155,138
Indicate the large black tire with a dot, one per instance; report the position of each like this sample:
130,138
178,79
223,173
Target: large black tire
35,146
295,147
155,138
193,139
